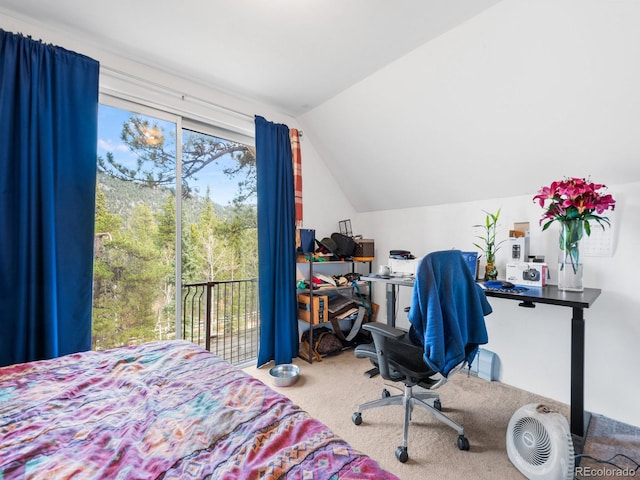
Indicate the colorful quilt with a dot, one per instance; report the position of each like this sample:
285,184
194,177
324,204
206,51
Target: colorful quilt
166,410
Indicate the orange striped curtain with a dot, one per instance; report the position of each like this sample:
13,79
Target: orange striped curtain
294,135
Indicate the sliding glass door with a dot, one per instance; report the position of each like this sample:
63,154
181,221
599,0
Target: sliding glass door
135,248
141,209
219,246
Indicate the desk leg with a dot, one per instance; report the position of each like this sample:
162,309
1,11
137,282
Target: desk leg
579,422
391,320
391,305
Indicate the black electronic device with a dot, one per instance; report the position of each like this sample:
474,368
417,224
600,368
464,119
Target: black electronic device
401,254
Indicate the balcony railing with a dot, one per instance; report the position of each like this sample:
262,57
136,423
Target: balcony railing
223,317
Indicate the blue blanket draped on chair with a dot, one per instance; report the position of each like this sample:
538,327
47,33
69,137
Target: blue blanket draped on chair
447,311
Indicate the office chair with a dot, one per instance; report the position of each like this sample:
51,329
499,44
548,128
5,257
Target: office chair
447,326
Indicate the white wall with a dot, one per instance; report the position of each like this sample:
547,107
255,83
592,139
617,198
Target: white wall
324,203
534,344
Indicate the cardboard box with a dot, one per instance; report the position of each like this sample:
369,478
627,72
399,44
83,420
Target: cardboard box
519,249
527,274
320,308
519,242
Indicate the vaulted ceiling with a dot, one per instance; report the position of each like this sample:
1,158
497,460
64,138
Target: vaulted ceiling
289,53
410,103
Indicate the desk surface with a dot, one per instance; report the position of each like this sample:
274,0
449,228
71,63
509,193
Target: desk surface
548,294
404,281
551,295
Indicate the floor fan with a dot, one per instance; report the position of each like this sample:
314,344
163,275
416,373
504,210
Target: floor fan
539,443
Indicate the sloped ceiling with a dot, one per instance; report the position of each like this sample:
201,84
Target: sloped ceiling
293,54
411,103
516,97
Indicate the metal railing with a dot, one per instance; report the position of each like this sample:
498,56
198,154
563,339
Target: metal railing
224,317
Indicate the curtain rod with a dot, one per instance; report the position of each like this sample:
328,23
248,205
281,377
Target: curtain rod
173,91
180,94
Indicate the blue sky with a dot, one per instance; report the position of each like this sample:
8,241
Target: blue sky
110,121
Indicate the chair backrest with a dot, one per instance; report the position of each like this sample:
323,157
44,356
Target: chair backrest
447,311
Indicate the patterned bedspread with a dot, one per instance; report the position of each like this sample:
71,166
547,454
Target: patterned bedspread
160,410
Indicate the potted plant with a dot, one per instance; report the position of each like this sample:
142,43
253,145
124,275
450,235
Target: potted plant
489,247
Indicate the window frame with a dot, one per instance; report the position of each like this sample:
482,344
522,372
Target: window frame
146,98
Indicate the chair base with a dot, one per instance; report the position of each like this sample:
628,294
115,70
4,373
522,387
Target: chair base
410,399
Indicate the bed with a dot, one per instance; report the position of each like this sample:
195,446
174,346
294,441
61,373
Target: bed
166,409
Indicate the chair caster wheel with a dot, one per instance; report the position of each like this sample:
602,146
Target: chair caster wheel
463,442
401,454
385,393
437,404
356,418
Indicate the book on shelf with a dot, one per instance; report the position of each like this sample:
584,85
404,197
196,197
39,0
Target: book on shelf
347,313
338,303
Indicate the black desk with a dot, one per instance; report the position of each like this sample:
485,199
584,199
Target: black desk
577,301
391,283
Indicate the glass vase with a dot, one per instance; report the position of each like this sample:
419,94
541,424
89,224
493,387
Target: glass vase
490,271
569,259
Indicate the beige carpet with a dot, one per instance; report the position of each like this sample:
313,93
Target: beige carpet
332,389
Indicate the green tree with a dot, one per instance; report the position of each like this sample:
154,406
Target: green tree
132,274
239,233
106,222
167,224
107,226
209,248
165,242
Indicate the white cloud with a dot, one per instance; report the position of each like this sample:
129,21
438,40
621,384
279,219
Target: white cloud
108,146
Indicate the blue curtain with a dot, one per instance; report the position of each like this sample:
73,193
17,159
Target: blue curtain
48,138
276,244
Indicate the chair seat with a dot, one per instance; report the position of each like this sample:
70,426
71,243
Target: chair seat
404,359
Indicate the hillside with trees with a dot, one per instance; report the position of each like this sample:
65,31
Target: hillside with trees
134,269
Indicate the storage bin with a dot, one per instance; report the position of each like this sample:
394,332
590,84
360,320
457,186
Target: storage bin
320,308
485,365
305,240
